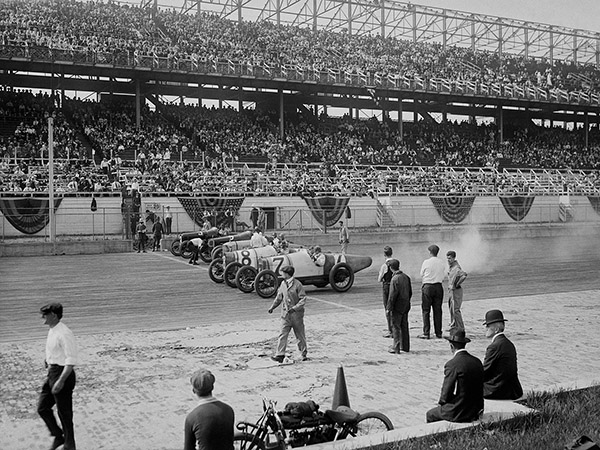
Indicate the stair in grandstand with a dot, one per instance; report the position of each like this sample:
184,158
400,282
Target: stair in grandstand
384,218
582,81
470,68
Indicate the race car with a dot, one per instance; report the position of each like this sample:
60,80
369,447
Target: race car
224,269
232,246
179,246
338,271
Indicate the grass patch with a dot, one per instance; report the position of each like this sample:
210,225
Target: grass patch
562,417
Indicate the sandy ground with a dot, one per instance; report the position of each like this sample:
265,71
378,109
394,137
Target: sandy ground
133,387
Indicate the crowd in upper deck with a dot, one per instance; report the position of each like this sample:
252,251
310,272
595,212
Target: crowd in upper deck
133,32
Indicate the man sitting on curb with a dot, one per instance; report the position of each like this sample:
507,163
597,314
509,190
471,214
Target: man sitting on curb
461,399
500,378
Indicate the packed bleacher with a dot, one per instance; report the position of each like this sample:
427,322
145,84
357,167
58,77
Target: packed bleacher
191,149
133,36
99,147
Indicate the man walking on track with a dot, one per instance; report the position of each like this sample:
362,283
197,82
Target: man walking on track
433,272
344,237
292,298
61,357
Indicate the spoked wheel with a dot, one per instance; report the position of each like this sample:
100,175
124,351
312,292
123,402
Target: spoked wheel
217,252
215,271
247,441
341,277
175,248
244,279
204,254
183,250
230,273
371,423
266,283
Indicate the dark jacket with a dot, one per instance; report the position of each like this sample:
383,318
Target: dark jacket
500,377
400,293
462,392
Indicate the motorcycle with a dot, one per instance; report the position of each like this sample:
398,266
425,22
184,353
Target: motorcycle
281,430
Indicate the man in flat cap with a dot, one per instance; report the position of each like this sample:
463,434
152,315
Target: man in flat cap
292,298
210,426
61,357
500,378
461,399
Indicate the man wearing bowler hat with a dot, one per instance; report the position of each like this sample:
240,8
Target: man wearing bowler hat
461,399
500,378
61,357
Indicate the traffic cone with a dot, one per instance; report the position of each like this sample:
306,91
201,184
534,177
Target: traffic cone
340,393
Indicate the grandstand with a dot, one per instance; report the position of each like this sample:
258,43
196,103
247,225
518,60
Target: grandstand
227,98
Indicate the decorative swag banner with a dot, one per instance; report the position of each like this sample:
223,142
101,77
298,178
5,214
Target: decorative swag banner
453,208
595,202
327,210
517,207
29,215
216,207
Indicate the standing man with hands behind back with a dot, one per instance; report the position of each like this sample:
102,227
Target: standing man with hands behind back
61,357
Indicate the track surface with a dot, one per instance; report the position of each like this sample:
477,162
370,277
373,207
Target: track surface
157,291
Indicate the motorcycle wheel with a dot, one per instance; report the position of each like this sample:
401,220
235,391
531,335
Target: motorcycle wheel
372,422
175,249
247,441
230,273
341,277
244,279
215,271
266,283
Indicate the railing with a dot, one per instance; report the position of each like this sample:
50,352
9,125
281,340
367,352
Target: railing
298,73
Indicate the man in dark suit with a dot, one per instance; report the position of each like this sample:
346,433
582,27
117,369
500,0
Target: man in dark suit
500,378
210,426
397,307
461,399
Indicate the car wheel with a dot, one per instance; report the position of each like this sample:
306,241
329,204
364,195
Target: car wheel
230,273
175,248
341,277
183,250
204,254
244,279
215,271
217,252
266,283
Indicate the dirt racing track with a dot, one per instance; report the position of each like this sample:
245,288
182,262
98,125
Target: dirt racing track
146,321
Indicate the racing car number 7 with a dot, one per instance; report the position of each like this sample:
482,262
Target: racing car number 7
278,261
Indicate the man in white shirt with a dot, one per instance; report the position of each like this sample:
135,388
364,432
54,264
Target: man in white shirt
433,272
61,357
258,240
